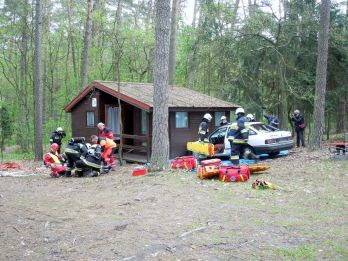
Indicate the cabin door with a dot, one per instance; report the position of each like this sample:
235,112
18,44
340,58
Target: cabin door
113,120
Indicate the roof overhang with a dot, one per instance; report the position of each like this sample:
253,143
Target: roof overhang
96,85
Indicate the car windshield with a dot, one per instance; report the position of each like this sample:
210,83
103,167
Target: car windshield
260,127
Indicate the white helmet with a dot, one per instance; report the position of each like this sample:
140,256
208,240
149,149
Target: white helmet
240,110
250,116
207,116
223,118
100,125
59,129
297,112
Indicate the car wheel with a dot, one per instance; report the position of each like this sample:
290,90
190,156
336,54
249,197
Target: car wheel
248,152
275,153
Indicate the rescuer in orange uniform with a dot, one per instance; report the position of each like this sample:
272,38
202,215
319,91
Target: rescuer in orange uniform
108,149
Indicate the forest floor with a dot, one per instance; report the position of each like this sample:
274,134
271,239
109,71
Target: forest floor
175,216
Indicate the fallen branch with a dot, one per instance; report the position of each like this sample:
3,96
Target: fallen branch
192,231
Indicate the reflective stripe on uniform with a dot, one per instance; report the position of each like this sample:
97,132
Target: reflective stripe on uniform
239,141
71,151
234,157
55,158
78,169
244,130
91,164
203,132
230,138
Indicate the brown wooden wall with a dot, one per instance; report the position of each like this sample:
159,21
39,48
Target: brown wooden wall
79,117
180,136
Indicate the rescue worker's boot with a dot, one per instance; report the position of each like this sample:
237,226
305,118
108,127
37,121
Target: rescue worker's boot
68,174
79,172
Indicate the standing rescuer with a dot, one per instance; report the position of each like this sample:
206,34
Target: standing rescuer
104,132
203,129
238,136
223,121
57,136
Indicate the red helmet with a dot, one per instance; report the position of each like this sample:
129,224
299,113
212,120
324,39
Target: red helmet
55,146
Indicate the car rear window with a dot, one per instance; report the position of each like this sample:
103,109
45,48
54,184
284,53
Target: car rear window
260,127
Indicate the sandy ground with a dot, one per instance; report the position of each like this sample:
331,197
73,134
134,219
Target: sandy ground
175,216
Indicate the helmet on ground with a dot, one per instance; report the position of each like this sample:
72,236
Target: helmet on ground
59,129
223,118
240,110
55,146
297,112
250,117
100,125
207,116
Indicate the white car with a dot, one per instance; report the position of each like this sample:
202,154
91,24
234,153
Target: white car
262,140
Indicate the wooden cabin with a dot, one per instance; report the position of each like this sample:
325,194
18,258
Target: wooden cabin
98,102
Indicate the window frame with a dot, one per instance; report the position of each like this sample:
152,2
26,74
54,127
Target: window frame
90,126
217,118
187,122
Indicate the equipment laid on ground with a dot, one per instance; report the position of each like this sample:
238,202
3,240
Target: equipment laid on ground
139,171
201,148
254,169
185,162
339,150
261,184
209,169
234,174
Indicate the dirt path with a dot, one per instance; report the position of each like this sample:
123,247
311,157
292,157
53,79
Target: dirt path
175,216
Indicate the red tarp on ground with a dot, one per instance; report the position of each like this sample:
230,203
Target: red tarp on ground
10,165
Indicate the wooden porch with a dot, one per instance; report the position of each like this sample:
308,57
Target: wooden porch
135,148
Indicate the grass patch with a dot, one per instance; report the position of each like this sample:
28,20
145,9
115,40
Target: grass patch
302,252
17,156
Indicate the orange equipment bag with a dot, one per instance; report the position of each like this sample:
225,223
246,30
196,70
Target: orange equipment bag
209,169
234,174
258,168
186,162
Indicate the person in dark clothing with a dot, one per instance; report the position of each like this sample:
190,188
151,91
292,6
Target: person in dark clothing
57,136
74,151
273,121
223,121
90,165
238,136
298,120
203,129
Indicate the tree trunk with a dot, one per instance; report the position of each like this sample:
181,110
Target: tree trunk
160,137
194,16
173,36
37,82
341,115
321,74
71,39
86,44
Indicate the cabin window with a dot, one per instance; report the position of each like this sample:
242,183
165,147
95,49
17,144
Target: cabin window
143,123
181,120
218,115
90,119
113,122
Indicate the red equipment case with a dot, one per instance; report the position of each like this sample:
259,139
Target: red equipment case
234,174
186,162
